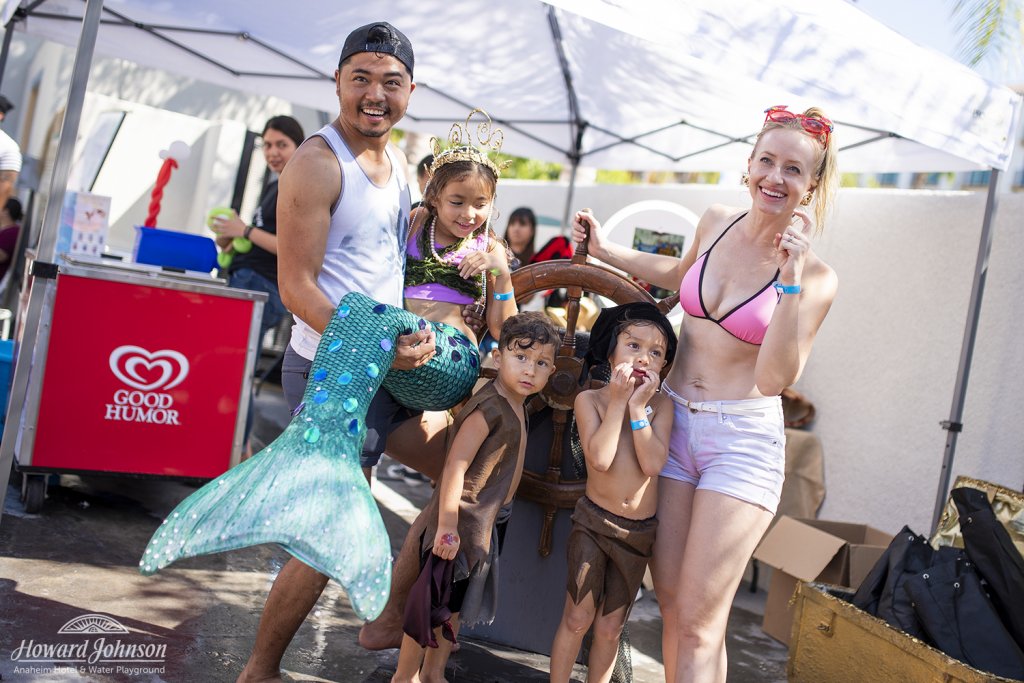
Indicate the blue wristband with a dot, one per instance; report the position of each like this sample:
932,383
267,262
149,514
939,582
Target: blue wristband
503,296
786,289
639,424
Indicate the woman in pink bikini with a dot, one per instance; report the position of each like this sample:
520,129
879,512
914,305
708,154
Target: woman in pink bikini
754,295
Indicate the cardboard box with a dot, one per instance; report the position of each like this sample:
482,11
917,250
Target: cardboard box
834,642
838,553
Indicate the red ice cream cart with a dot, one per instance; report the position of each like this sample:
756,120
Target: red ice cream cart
133,371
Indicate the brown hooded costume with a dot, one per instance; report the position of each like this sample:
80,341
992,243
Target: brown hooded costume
487,485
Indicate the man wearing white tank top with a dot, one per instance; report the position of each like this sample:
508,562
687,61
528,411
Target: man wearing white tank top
343,218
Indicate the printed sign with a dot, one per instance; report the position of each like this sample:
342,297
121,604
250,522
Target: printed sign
90,645
84,220
655,242
146,372
141,380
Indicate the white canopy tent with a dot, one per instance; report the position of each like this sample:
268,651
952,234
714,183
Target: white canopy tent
652,84
648,85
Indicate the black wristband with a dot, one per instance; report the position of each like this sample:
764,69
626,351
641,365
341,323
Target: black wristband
248,231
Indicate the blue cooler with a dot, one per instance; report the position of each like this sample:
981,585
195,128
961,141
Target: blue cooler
173,249
6,361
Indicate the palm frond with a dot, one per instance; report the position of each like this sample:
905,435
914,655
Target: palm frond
987,28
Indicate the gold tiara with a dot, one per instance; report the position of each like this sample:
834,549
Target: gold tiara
461,146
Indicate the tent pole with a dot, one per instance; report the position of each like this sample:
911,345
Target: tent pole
569,194
55,200
6,49
954,424
69,129
579,125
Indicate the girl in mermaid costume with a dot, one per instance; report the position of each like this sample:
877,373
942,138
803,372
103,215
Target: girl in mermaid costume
305,491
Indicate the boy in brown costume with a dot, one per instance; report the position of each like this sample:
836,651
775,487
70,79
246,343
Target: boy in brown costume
480,476
624,429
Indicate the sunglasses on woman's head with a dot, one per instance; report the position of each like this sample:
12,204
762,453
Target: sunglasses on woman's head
815,125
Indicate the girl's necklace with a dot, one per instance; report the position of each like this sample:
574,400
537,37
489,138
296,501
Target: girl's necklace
481,304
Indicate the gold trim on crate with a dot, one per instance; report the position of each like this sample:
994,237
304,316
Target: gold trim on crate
834,641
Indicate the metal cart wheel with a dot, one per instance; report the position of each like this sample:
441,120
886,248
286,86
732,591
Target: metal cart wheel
33,492
549,489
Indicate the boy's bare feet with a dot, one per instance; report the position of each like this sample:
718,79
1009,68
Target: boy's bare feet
249,677
425,679
385,633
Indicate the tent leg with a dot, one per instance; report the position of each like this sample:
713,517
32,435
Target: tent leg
570,196
6,49
59,179
954,424
69,129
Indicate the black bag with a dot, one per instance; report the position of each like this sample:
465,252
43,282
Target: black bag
881,593
958,618
995,556
895,606
870,589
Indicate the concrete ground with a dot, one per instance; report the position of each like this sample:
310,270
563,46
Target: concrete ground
79,557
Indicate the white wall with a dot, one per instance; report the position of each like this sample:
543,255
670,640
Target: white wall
884,365
884,369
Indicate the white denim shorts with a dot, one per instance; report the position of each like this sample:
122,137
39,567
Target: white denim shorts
743,456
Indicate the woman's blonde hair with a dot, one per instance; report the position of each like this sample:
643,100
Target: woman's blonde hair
826,173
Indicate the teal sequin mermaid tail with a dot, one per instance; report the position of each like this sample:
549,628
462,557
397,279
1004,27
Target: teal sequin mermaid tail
306,490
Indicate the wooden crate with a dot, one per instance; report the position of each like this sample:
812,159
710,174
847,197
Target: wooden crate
834,642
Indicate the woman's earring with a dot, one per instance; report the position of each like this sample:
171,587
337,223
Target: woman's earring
807,199
746,180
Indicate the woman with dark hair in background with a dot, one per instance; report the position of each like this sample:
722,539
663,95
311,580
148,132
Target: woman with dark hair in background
520,235
256,267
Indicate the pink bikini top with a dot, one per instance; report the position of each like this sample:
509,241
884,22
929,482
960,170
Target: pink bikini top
749,320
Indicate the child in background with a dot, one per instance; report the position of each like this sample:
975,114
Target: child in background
521,234
481,474
624,429
10,224
423,176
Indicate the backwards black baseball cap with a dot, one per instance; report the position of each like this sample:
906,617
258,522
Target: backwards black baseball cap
5,105
379,37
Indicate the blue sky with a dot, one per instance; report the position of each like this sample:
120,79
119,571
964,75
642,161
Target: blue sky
928,23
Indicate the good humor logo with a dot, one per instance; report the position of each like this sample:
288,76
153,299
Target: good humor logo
146,372
102,651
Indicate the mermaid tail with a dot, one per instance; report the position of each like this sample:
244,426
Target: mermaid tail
306,490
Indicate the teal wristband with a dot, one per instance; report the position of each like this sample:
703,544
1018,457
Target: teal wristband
639,424
786,289
503,296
